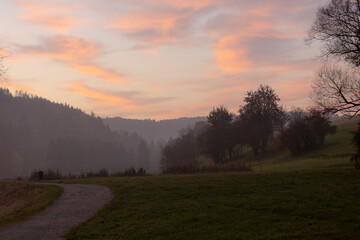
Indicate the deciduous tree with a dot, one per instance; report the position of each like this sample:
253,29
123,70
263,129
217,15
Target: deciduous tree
260,117
337,26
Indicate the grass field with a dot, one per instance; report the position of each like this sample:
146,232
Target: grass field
19,200
309,197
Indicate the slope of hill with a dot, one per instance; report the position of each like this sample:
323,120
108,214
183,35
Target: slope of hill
37,133
313,196
151,129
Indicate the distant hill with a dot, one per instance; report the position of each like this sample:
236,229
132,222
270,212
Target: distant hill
38,134
151,129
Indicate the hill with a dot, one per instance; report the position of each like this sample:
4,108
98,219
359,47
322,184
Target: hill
313,196
151,129
38,134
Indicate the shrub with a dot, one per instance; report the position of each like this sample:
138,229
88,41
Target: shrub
191,169
46,175
130,172
305,132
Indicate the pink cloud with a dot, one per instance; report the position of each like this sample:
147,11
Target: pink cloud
128,100
99,97
16,86
52,16
78,54
157,22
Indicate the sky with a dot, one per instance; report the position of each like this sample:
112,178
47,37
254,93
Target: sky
158,59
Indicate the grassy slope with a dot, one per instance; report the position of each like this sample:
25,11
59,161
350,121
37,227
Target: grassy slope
336,153
20,200
309,197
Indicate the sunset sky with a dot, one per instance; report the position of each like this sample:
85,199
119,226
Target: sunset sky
158,59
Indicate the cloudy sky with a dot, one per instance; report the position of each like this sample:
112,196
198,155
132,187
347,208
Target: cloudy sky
158,58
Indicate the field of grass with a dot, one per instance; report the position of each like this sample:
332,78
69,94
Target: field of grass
335,154
19,200
314,196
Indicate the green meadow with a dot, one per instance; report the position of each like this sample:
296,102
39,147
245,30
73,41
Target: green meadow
314,196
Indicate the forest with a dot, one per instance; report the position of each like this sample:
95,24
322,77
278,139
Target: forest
39,134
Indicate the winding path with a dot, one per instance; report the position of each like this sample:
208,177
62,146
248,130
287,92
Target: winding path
78,203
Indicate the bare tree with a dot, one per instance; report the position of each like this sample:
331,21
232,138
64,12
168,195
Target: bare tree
337,25
337,89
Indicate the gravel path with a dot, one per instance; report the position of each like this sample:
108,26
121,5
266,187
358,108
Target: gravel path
78,203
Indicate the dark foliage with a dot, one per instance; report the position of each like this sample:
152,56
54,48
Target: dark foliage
191,169
49,174
37,133
150,129
260,117
181,151
305,132
216,141
222,138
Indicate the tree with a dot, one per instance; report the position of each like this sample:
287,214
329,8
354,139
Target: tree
260,117
305,132
182,151
337,25
215,142
143,155
337,89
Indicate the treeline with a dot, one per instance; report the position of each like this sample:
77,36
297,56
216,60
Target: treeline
152,130
224,135
37,133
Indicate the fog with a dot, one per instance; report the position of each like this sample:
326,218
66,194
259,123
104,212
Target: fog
36,134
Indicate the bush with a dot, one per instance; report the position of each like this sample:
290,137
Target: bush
46,175
55,175
191,169
305,132
130,172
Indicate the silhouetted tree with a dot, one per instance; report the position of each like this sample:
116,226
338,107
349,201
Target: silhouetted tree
260,117
181,151
337,89
215,141
46,134
305,132
337,26
143,155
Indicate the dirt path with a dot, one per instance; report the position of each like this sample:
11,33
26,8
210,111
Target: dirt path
77,204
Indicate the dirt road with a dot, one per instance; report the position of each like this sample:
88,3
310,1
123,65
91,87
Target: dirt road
78,203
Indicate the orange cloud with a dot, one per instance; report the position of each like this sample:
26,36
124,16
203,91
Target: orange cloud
149,27
199,4
16,86
230,57
295,90
101,97
129,100
52,16
160,21
77,53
